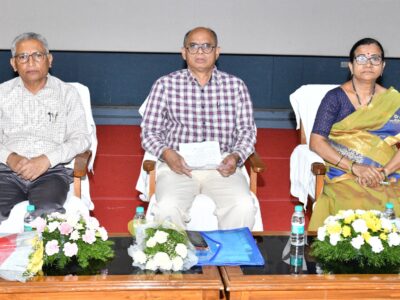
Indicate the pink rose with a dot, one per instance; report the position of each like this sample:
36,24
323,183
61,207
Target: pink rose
40,224
89,237
65,228
70,249
52,247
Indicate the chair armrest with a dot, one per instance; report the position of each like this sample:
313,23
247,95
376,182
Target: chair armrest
149,165
256,164
81,163
318,168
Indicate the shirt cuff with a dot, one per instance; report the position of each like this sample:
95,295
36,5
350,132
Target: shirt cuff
54,158
4,153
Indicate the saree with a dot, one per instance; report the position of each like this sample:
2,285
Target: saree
367,136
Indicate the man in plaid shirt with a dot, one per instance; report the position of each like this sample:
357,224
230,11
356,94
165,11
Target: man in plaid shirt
42,127
199,104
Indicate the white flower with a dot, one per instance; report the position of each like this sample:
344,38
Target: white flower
386,224
73,219
151,265
360,211
161,236
177,263
74,235
139,257
376,244
151,242
393,239
53,226
360,226
181,249
103,233
92,223
163,261
334,239
321,233
357,242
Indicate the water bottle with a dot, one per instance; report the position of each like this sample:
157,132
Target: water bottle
29,217
389,212
297,240
138,219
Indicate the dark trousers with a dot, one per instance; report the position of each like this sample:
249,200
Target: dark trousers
48,192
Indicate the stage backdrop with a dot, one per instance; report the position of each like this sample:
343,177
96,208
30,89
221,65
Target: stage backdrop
281,27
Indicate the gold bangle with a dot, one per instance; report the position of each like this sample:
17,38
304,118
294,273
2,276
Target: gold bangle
351,167
337,164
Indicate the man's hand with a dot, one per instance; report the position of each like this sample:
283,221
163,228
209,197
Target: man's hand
16,161
228,166
176,162
33,168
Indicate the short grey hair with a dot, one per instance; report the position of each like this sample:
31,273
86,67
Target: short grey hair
29,36
212,32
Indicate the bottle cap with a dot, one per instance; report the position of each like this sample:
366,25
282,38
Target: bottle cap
389,205
30,208
298,208
140,209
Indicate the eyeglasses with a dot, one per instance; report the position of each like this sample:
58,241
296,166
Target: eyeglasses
375,60
193,48
23,58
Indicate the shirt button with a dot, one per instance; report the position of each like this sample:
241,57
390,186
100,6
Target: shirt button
202,106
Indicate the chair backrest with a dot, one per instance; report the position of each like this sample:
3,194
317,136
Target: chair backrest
305,102
84,182
85,97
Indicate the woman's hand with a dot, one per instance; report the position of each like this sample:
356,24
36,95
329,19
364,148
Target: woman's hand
367,175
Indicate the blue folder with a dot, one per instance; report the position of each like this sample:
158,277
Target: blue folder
232,247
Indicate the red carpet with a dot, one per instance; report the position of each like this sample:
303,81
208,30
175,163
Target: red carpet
118,163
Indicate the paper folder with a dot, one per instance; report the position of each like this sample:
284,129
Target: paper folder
232,247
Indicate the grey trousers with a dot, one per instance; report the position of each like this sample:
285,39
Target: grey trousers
48,192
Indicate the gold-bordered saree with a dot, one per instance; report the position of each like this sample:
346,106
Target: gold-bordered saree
368,136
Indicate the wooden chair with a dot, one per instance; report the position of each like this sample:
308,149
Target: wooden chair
253,163
305,102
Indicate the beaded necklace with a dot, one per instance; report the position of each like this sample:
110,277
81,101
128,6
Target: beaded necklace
358,97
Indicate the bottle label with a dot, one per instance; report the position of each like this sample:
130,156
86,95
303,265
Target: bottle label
296,261
297,229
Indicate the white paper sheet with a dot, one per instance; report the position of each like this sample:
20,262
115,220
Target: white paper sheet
205,155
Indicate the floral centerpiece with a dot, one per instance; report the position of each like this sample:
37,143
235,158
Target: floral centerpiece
358,241
73,238
162,247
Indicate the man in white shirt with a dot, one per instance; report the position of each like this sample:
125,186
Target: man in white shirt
42,127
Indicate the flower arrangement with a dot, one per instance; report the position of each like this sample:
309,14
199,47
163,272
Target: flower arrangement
73,237
162,247
359,240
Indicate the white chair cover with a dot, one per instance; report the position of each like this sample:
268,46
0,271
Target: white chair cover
207,220
15,223
305,102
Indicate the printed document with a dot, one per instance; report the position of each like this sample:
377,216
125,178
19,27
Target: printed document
205,155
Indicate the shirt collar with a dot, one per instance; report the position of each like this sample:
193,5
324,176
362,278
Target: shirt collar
49,83
215,77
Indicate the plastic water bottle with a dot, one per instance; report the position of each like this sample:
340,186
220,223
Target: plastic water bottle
29,217
297,240
138,219
389,212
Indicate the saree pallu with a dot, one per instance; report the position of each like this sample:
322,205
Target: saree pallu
367,136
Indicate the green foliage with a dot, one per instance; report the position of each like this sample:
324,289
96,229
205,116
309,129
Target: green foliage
174,237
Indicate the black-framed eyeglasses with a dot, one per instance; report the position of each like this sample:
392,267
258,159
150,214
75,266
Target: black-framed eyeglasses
23,58
362,59
193,48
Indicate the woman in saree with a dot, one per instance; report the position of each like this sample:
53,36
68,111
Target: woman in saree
355,131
